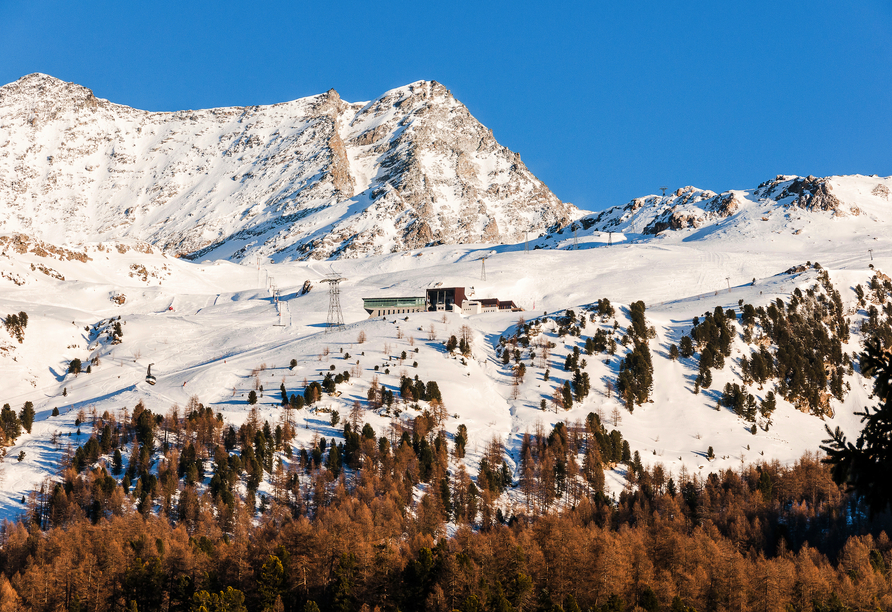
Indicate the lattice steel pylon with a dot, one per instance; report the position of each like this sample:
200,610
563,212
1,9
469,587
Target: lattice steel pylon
335,316
483,268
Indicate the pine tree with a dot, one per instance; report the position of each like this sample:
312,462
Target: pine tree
865,466
687,347
768,405
74,366
27,416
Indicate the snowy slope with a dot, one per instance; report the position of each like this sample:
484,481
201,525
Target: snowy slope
213,330
316,177
836,206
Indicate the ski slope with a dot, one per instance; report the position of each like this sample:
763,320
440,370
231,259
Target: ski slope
210,327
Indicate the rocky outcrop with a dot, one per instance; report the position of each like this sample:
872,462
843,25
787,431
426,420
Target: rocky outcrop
689,208
812,193
312,178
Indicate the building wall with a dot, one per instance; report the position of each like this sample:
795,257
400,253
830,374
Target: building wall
383,312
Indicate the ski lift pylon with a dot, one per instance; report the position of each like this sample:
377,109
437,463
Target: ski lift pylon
149,378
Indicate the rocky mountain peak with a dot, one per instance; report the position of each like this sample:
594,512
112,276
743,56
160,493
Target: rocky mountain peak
312,178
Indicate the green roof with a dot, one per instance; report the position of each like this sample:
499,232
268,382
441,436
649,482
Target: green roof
394,302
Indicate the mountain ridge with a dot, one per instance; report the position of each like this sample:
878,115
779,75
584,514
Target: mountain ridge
784,204
316,177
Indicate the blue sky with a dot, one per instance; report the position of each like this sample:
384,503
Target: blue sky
604,101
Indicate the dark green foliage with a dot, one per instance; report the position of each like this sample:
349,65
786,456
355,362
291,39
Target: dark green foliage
605,310
117,462
10,423
312,393
16,324
704,379
27,416
333,463
567,396
461,440
648,600
451,344
55,411
635,381
742,403
581,385
809,333
639,323
687,347
597,343
768,405
74,366
494,478
866,465
673,352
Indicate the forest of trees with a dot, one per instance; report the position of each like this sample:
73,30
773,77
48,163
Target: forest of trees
795,346
766,538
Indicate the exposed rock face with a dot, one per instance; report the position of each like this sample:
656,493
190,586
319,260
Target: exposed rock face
317,177
812,193
691,208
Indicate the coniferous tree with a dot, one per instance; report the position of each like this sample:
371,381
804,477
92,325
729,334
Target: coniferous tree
865,466
687,347
673,352
27,416
768,405
74,366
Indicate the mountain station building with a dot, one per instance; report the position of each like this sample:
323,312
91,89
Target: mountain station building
438,299
383,306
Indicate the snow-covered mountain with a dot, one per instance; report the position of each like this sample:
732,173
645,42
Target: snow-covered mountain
774,206
315,178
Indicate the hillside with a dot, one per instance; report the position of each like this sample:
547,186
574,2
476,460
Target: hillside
317,177
214,333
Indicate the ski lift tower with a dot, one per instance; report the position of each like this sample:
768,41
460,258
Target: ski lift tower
335,316
663,189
